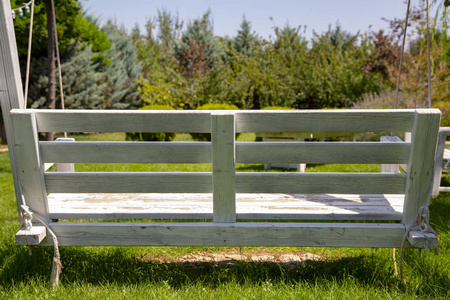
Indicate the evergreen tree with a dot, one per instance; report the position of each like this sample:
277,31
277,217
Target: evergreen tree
245,39
169,28
122,71
287,37
80,80
197,50
199,33
340,38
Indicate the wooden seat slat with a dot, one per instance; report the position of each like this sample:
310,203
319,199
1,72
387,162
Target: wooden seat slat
248,206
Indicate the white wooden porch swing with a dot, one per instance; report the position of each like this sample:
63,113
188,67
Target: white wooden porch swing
241,209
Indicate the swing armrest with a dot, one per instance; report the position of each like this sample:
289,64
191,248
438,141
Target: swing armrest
33,236
424,240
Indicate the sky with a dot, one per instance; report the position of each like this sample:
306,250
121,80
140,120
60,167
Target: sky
317,15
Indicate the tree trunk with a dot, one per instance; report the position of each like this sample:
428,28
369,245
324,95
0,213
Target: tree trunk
192,91
51,96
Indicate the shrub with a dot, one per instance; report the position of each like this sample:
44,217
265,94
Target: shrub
444,106
217,106
152,136
212,106
277,108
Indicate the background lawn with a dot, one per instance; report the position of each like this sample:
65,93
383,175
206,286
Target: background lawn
144,273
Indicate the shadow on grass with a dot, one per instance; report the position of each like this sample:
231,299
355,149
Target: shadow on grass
426,276
116,265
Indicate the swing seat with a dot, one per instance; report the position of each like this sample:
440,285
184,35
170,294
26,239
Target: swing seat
226,207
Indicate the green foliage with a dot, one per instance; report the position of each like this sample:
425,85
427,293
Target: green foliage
172,93
444,106
156,107
199,34
122,72
79,41
72,26
197,51
340,38
153,95
277,108
289,73
287,38
218,106
81,80
189,67
245,40
152,136
212,106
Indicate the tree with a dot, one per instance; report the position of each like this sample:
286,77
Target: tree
73,28
51,95
168,30
197,50
81,80
122,71
341,39
287,37
245,39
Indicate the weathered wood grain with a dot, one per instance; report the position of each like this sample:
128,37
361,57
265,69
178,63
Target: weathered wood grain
248,206
329,183
421,164
223,154
29,164
424,240
224,206
123,121
229,234
440,158
34,236
11,95
138,182
322,152
63,166
126,152
393,168
324,121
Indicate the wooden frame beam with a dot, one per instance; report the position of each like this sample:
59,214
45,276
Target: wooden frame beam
11,94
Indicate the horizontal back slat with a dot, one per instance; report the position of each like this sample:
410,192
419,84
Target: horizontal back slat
246,121
329,183
324,121
322,153
125,152
122,121
128,182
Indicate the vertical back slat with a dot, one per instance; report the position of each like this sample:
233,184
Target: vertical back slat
30,168
390,168
65,167
439,159
223,165
421,163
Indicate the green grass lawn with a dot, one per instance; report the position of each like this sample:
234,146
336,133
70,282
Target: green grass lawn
123,273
